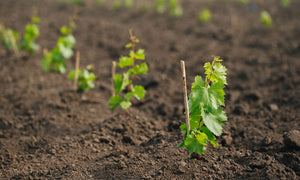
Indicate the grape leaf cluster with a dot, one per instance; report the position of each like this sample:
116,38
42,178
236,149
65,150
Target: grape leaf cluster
6,36
123,84
31,34
85,78
206,102
10,38
56,59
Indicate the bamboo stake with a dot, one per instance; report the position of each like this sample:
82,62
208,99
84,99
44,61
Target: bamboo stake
13,43
113,77
76,69
187,113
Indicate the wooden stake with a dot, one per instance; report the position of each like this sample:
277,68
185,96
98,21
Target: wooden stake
76,69
187,112
13,43
113,77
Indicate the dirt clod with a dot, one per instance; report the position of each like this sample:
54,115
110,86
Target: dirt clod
292,139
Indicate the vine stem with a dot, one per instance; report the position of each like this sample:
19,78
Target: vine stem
133,41
187,112
200,122
76,70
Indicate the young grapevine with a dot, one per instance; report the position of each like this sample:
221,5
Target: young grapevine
206,102
123,83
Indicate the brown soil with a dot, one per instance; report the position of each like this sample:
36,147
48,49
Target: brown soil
49,132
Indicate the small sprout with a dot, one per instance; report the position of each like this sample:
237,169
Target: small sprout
285,3
175,9
204,16
205,109
116,5
128,4
56,59
124,90
265,19
76,1
243,2
85,78
100,2
30,35
160,6
9,37
144,8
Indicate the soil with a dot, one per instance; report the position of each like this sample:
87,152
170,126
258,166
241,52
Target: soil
47,131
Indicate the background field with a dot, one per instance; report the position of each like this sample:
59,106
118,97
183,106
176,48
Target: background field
49,132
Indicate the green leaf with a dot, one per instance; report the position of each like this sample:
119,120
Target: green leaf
183,127
140,54
219,74
85,79
198,95
114,101
128,96
213,120
139,92
65,30
216,94
118,83
72,74
66,52
204,16
195,118
46,61
210,97
210,136
126,80
208,69
129,45
139,69
266,18
125,104
35,19
201,138
125,61
180,145
195,145
61,68
65,45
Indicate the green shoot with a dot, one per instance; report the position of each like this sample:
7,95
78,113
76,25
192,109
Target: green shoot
85,78
265,19
144,8
56,59
175,8
30,35
204,16
8,37
243,2
116,5
206,102
285,3
123,84
160,6
128,4
100,2
76,1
